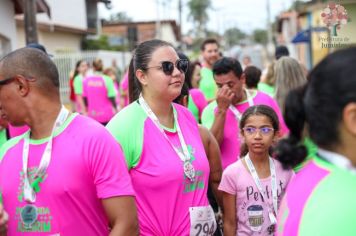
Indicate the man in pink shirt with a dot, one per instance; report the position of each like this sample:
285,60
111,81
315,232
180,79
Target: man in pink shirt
66,175
222,116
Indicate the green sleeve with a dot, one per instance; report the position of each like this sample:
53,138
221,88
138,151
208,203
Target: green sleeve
208,116
127,127
109,86
330,210
78,85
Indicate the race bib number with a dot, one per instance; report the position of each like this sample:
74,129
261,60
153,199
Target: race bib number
202,221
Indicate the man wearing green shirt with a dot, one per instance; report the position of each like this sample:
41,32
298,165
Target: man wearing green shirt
210,54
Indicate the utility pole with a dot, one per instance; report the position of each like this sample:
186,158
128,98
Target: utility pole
30,21
158,21
270,46
180,19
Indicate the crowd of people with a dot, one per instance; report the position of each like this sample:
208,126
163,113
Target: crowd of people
178,147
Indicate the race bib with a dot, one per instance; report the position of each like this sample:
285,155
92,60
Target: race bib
202,221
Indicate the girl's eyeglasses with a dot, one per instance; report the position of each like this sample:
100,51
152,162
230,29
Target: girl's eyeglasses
168,67
254,130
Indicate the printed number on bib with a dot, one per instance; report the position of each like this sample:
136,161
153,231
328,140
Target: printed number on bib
202,221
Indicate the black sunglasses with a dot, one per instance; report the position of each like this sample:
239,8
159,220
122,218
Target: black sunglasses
168,66
6,81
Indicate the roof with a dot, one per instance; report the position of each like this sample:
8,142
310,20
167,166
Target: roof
56,27
173,23
42,7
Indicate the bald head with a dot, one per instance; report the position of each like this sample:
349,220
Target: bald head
30,63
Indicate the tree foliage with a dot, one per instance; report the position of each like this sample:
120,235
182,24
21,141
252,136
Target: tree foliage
260,36
233,36
102,43
198,13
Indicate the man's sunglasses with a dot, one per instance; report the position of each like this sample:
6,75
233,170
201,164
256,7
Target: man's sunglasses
168,67
6,81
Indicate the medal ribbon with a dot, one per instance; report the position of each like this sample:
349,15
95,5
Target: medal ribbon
236,112
31,189
251,168
185,156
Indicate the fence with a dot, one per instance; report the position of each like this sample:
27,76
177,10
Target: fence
65,63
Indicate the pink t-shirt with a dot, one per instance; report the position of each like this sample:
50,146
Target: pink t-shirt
163,193
125,88
87,165
17,130
97,89
230,145
252,212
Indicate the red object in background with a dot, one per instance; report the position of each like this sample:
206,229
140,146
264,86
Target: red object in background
71,90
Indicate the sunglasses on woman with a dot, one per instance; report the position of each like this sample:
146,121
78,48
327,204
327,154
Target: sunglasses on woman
168,67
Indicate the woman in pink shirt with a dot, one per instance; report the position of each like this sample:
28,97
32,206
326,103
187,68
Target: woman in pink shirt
162,146
254,185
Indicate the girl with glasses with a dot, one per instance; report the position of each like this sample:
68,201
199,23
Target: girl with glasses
254,185
162,146
321,199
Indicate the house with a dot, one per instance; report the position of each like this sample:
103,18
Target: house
132,33
8,9
70,22
314,40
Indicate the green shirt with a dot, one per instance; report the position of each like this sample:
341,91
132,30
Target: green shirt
207,83
263,87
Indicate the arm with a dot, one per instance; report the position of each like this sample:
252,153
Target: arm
121,212
83,103
3,221
230,220
213,153
223,99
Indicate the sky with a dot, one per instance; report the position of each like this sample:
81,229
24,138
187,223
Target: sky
246,15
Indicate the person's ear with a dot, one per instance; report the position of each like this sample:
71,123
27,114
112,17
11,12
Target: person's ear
243,78
349,117
23,85
141,76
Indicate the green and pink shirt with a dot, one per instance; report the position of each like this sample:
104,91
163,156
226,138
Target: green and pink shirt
196,103
97,89
163,194
320,200
87,165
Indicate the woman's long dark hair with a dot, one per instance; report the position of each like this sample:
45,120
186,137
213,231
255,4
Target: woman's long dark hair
318,106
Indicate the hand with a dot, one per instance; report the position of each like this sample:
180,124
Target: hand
224,98
4,217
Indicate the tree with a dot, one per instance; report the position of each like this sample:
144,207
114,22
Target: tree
233,36
102,43
260,36
198,13
120,17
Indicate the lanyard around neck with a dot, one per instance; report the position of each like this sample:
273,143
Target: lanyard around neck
337,160
250,103
29,192
185,156
257,181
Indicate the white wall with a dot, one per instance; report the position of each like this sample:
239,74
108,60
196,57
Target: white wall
53,41
66,12
7,27
168,34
